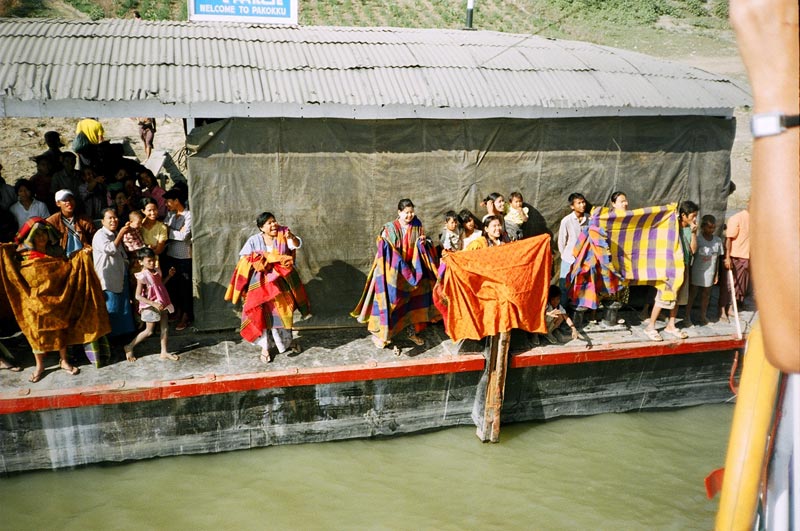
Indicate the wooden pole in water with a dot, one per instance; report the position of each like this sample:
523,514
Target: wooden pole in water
495,388
732,287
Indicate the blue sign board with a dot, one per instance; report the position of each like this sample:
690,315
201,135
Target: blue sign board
258,11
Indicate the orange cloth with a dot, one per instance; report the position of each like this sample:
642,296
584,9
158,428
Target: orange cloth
492,290
56,302
738,230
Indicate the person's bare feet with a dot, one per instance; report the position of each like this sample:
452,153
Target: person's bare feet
265,356
129,353
723,317
412,335
36,376
168,356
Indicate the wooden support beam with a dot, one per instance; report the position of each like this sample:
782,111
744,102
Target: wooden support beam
497,365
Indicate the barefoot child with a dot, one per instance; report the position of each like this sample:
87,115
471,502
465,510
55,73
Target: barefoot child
555,314
704,267
154,303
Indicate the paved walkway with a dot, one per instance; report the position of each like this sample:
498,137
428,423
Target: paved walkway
225,353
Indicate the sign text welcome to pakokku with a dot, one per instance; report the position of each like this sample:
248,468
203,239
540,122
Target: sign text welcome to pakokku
259,11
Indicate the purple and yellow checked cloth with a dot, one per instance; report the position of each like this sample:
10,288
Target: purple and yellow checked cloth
628,247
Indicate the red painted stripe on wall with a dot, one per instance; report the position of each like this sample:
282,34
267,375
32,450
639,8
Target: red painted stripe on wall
28,399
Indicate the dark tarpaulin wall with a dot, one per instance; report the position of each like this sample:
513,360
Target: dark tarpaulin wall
336,182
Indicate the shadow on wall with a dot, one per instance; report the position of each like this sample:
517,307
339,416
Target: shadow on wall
536,223
334,292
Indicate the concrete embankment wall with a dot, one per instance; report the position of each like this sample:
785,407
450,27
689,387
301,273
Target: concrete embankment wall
57,438
211,414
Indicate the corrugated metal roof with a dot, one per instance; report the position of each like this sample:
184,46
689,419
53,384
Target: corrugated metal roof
206,69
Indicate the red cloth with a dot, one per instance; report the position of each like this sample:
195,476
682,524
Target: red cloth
492,290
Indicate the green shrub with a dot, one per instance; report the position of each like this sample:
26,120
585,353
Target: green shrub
720,9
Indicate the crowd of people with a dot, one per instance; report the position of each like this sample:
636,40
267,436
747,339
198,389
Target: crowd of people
96,201
139,235
397,294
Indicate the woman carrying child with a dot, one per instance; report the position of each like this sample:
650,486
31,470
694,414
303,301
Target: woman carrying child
154,232
405,263
154,303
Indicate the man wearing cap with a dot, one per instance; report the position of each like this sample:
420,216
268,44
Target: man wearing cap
76,231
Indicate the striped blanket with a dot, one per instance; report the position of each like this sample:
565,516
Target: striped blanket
398,291
631,247
271,293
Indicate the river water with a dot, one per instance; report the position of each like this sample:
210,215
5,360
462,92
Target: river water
617,471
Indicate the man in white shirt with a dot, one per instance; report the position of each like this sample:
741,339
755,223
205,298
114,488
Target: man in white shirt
568,233
179,255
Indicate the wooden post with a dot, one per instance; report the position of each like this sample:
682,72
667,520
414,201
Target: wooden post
489,430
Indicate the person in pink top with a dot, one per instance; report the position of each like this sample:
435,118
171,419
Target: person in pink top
154,303
737,259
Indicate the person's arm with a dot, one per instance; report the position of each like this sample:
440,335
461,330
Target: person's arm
105,244
727,257
293,241
144,300
693,238
562,237
121,234
572,329
767,35
185,232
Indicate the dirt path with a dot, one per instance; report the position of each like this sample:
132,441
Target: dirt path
64,10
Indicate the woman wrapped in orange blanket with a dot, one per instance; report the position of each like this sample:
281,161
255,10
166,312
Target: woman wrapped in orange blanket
56,302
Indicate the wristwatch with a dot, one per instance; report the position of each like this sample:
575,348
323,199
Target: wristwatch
772,123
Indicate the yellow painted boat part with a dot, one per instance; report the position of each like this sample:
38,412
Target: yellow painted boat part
752,420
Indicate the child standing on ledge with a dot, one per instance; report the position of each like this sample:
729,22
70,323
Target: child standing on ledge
704,272
154,303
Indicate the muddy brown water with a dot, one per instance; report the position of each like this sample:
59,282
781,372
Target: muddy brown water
640,470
